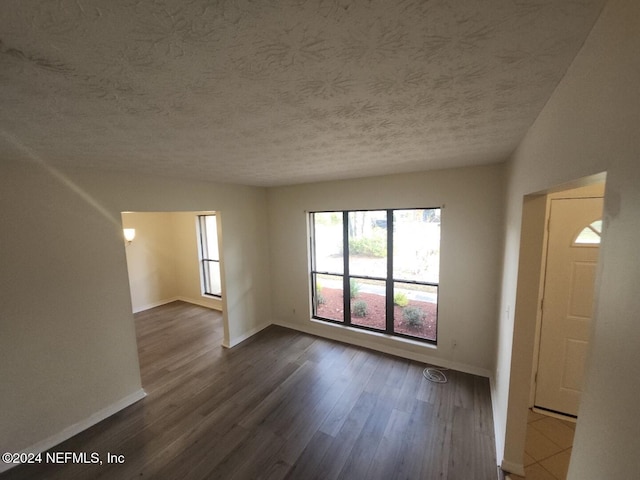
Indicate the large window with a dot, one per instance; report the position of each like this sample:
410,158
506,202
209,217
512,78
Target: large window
377,270
209,255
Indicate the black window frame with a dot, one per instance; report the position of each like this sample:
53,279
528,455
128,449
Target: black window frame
204,257
346,276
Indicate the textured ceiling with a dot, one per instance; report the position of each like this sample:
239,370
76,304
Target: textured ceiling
275,92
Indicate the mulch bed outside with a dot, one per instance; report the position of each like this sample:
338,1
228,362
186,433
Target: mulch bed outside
333,309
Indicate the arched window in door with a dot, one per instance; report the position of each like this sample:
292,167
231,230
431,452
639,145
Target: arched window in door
590,235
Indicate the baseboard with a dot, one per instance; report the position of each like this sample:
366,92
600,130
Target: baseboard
202,302
235,341
361,340
193,301
498,439
154,305
67,433
511,467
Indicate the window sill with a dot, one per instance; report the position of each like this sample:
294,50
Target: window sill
211,296
370,334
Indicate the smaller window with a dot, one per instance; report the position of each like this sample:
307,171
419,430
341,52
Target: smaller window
209,255
590,235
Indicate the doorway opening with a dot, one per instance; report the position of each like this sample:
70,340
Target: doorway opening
549,437
165,259
571,237
573,231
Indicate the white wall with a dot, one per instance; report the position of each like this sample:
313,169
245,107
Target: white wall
163,260
589,125
67,340
469,263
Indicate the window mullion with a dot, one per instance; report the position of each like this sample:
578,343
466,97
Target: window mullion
346,286
389,282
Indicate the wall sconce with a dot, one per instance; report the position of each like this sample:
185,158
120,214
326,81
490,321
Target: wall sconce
129,235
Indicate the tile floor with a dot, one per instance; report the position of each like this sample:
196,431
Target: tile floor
547,449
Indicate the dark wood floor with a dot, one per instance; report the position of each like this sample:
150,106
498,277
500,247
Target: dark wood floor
282,405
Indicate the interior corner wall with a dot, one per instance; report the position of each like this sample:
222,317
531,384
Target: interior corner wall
67,339
151,259
588,126
469,260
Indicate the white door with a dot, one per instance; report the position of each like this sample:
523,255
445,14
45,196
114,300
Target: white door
572,255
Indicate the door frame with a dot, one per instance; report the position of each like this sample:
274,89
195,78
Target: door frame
525,313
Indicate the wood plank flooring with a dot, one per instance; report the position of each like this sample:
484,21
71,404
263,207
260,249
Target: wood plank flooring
282,405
